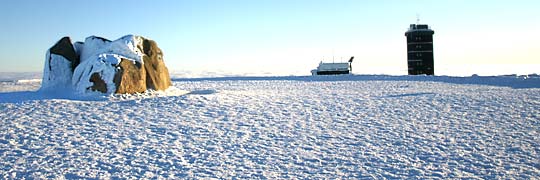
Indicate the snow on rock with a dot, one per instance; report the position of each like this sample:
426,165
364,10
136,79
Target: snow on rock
108,66
78,46
60,61
128,46
96,75
91,46
57,72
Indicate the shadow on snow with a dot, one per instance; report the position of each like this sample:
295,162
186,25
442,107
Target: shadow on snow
22,96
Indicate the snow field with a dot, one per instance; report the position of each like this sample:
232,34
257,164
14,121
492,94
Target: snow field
284,128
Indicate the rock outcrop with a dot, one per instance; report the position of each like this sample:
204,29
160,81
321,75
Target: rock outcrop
131,64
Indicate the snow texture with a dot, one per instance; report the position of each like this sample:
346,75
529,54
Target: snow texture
57,73
331,127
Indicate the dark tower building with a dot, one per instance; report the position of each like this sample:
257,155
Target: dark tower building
420,49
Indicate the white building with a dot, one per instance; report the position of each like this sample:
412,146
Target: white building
333,68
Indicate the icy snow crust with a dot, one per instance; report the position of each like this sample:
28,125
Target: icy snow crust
369,127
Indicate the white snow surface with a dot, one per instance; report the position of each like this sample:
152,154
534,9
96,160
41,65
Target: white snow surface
360,127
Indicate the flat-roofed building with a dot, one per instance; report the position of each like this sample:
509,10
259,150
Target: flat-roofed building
420,50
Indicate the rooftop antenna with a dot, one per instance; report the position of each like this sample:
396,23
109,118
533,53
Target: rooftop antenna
333,56
417,18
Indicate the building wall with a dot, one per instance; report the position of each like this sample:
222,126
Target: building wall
420,50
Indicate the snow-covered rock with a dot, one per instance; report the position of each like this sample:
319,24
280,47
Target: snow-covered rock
131,64
60,61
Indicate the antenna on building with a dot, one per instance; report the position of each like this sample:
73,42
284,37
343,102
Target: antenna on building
350,63
417,18
333,56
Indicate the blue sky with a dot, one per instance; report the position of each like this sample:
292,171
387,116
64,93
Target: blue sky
285,36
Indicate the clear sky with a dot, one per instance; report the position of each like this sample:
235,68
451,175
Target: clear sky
284,36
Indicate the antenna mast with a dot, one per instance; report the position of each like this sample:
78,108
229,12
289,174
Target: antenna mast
417,18
333,56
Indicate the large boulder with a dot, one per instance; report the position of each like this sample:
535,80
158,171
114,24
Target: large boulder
131,64
157,75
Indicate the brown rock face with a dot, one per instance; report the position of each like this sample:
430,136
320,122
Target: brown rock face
157,74
99,84
64,48
130,77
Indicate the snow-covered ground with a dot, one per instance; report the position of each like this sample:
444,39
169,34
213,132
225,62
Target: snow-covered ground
279,127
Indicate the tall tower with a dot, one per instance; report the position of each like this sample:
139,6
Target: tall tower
420,49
